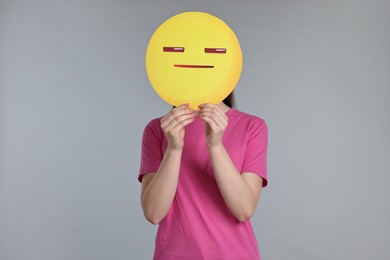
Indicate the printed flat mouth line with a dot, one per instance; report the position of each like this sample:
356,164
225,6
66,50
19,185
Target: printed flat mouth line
193,66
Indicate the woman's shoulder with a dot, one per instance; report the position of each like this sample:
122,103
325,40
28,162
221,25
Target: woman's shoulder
154,125
244,117
154,122
247,124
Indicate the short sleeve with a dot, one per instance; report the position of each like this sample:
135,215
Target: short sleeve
151,154
255,159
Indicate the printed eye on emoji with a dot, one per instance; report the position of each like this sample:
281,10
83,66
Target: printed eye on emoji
206,50
194,58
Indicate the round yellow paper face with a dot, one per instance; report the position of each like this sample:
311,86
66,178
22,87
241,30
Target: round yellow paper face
193,58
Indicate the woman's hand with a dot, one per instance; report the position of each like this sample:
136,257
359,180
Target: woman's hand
216,123
173,125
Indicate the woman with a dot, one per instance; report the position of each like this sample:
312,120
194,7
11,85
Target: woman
202,173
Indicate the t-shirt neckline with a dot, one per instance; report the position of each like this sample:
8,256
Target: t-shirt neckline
229,111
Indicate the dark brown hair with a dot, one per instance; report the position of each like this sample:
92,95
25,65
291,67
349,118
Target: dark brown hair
230,100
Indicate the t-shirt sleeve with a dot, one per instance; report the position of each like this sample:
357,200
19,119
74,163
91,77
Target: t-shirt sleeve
255,159
151,154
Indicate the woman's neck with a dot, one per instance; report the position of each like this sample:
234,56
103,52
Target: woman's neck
223,107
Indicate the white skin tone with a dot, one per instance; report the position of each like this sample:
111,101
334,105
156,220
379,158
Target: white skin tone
241,192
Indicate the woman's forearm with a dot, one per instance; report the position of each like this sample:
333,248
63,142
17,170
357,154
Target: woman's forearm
159,193
237,193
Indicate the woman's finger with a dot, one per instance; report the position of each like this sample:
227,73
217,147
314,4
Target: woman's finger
176,112
211,122
178,108
215,108
219,119
182,124
216,114
180,121
214,117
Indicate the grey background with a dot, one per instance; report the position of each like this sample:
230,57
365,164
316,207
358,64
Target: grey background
74,99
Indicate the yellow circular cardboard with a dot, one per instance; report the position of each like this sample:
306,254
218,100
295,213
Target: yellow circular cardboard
194,58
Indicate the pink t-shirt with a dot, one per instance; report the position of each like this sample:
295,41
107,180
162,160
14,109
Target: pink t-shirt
199,225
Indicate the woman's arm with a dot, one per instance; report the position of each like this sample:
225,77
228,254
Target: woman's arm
159,189
241,192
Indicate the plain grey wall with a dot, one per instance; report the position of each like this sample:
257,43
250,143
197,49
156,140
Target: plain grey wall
74,99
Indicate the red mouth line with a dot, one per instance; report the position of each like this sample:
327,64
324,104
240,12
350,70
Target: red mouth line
193,66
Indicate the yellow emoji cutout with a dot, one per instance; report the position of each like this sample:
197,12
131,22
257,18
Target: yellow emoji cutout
194,58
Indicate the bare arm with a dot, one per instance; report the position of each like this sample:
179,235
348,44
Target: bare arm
241,192
159,189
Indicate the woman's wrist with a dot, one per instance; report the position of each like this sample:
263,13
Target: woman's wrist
174,149
216,148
